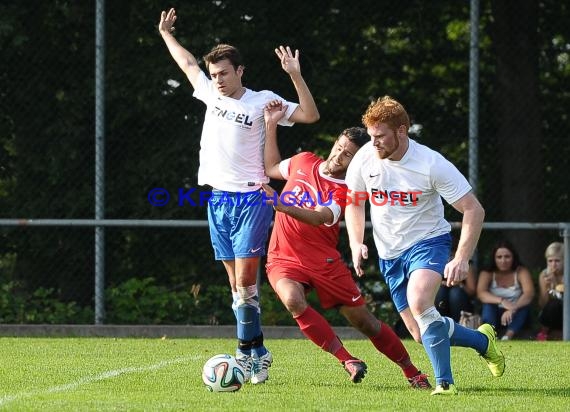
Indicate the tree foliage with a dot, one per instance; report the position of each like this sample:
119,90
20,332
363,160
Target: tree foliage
351,53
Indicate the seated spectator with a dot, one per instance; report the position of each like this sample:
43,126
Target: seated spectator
550,298
505,290
450,301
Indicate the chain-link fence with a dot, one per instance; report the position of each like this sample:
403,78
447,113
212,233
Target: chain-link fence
351,53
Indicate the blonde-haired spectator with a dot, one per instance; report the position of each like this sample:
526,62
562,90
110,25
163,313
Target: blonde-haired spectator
551,285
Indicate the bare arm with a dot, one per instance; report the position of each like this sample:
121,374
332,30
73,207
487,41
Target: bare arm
471,225
317,216
525,279
185,60
483,293
354,217
544,286
272,113
307,111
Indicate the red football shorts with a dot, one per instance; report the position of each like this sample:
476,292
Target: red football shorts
333,282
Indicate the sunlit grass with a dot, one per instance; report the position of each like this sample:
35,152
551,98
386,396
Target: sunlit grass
100,374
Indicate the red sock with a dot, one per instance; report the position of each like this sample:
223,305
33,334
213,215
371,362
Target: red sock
316,328
387,342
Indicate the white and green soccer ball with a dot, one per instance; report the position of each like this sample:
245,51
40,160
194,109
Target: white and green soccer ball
222,373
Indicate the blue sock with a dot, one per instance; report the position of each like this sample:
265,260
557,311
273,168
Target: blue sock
437,345
258,348
466,337
248,326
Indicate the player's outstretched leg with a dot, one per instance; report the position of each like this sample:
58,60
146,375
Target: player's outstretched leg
494,358
316,328
389,344
386,342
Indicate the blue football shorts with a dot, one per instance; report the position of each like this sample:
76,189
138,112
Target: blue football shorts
427,254
239,224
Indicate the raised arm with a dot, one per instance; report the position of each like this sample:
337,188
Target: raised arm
185,60
272,113
307,111
545,284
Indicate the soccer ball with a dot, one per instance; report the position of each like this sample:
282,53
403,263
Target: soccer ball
222,373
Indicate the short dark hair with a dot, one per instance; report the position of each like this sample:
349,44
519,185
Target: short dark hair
223,52
356,135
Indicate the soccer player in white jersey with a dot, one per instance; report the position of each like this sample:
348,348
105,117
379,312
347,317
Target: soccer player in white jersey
231,162
404,181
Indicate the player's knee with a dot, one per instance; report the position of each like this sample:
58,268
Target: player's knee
294,304
247,296
426,318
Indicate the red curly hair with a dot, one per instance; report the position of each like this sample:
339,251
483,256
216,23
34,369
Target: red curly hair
386,110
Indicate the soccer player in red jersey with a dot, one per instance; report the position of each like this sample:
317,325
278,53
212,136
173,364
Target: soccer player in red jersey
303,251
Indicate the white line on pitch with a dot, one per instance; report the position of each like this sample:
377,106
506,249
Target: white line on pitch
94,378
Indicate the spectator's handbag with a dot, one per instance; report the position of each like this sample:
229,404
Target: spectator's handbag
470,320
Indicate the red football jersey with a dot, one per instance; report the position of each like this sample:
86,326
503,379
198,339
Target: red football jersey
300,243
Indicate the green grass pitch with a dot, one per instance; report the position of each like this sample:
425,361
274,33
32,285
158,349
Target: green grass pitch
106,374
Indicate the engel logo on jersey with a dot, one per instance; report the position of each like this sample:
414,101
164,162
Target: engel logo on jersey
159,197
228,115
380,197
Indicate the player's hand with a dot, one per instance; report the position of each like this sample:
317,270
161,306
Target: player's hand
506,317
455,271
271,195
359,254
549,278
508,305
289,61
274,111
167,21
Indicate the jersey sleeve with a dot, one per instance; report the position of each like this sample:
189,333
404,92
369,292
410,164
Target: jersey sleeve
448,181
291,107
203,87
353,178
284,167
335,207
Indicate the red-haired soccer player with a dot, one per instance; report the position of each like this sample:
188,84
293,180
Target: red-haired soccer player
412,236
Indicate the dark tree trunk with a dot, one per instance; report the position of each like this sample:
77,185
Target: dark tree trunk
519,123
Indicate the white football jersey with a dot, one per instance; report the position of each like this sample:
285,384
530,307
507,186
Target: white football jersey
405,195
233,136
